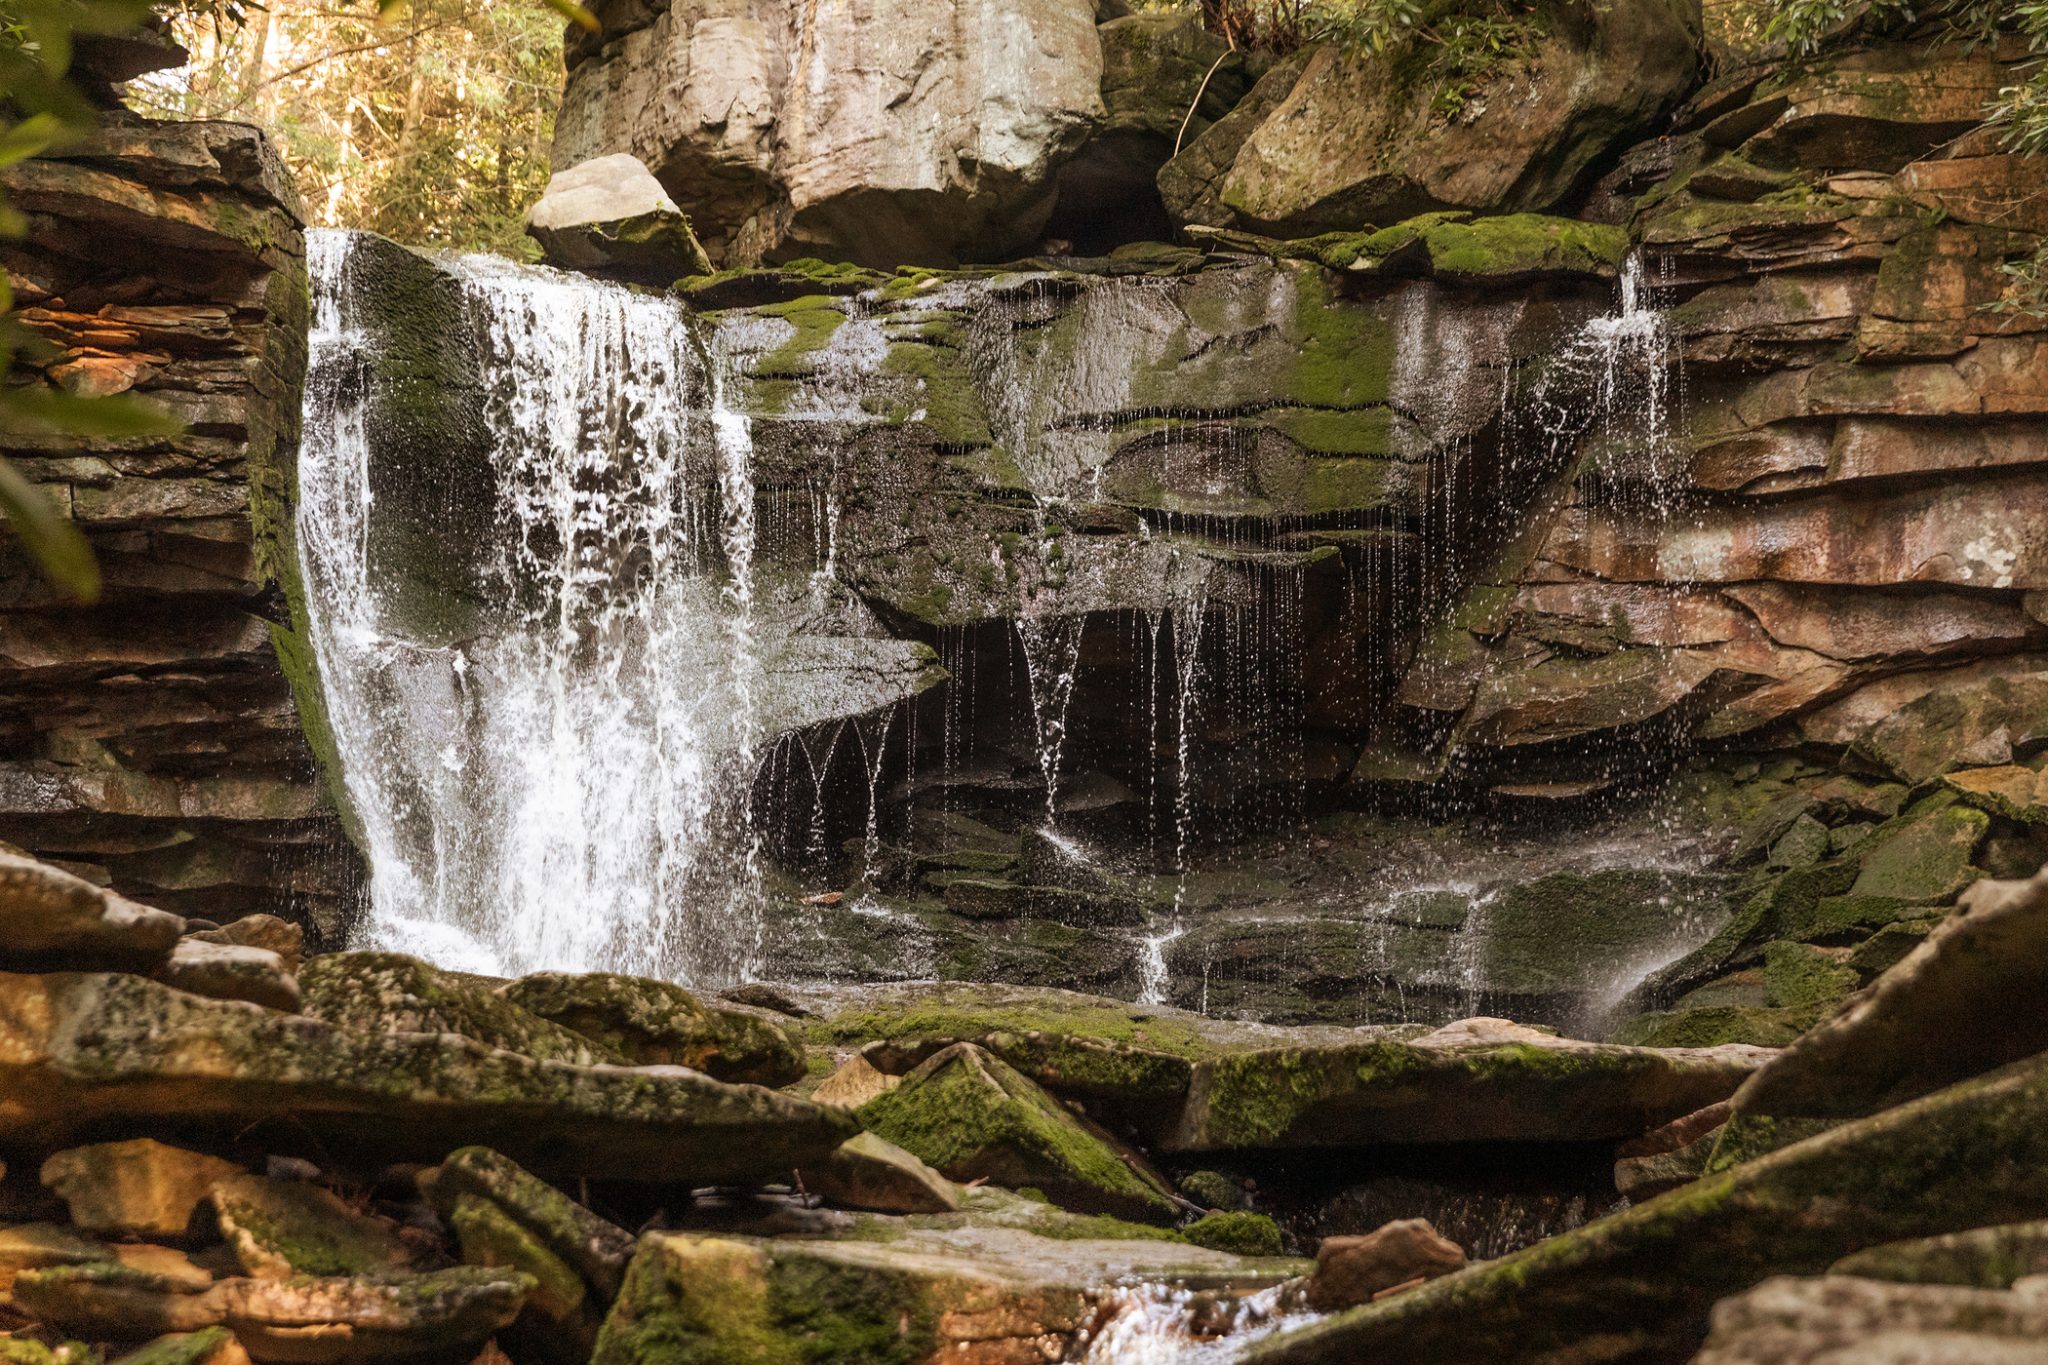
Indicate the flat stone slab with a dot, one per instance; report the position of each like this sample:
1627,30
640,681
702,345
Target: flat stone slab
80,1052
1199,1084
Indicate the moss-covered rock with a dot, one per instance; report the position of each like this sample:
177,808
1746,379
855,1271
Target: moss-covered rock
278,1229
596,1249
652,1023
1952,728
1641,1282
1984,1258
1797,976
1713,1025
1458,246
972,1117
1239,1233
392,993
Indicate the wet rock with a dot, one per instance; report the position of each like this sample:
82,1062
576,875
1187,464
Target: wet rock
559,1322
225,971
1353,142
233,1069
392,993
1355,1270
1982,1258
597,1250
651,1023
141,1188
1788,1321
278,1229
870,1172
317,1320
945,147
48,915
987,898
1643,1280
853,1084
1673,1155
972,1117
921,1295
285,939
610,216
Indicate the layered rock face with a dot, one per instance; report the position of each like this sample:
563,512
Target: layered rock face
888,132
152,741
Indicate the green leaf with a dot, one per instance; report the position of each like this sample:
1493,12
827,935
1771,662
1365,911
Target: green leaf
49,537
49,410
575,14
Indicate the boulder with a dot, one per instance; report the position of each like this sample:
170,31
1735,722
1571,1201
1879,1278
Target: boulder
52,917
1951,728
1363,138
392,993
887,132
108,1301
311,1320
2018,793
972,1117
853,1084
282,937
1355,1270
1640,1283
651,1023
597,1250
227,971
1787,1321
975,1294
870,1172
233,1069
1982,1258
610,216
141,1188
279,1228
559,1321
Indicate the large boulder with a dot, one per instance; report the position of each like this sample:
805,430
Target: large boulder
652,1023
79,1051
884,131
1362,138
1788,1321
610,216
52,917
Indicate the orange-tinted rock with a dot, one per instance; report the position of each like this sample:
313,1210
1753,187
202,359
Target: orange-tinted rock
1354,1270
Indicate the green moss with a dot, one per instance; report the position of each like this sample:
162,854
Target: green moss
1240,1234
490,1237
947,395
841,1313
1346,351
1507,246
1799,976
1714,1025
1342,485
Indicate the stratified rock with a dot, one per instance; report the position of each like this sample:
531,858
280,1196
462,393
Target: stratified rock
610,216
1673,1155
972,1117
885,133
2017,792
1952,728
235,1069
1641,1282
1354,1270
922,1297
1941,1014
315,1320
52,917
34,1246
1982,1258
286,939
652,1023
1788,1321
870,1172
393,993
1357,139
142,1188
278,1229
595,1248
226,971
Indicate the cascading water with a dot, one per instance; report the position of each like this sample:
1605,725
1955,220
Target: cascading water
562,787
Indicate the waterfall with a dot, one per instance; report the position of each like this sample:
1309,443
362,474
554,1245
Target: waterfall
563,785
1151,1323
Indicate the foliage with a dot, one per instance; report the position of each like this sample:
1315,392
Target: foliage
1455,44
430,125
41,111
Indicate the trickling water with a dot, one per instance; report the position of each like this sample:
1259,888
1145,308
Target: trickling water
557,788
1052,659
1164,1324
1188,620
